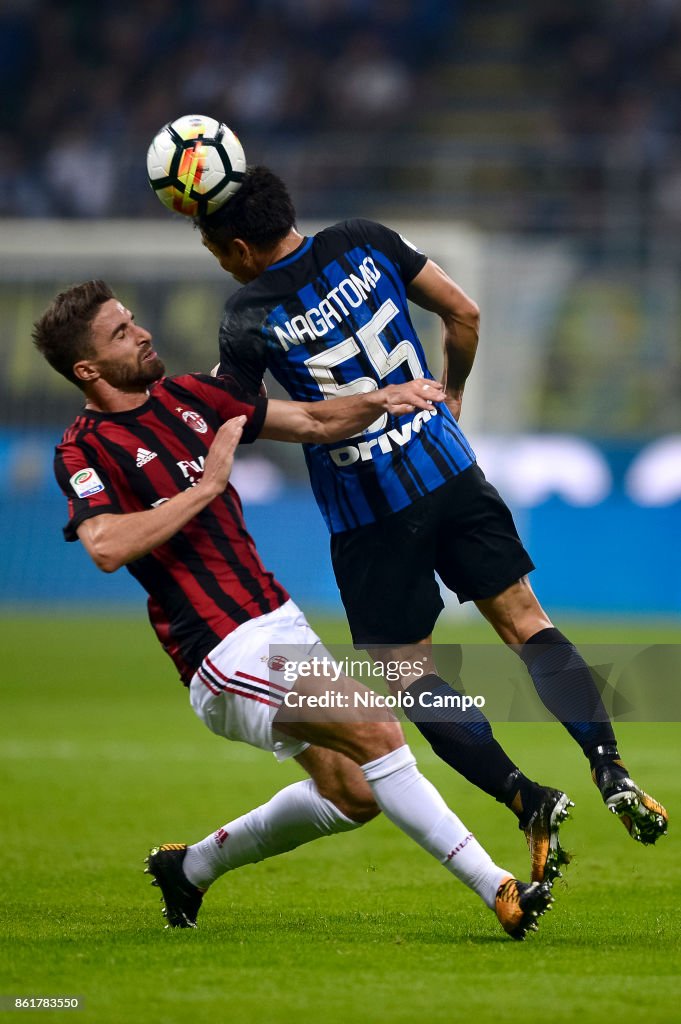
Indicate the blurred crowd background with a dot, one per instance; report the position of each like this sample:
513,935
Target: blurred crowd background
533,148
534,116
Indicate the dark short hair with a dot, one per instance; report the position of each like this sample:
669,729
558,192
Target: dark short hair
62,333
261,212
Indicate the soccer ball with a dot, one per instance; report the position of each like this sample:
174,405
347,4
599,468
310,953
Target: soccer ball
195,164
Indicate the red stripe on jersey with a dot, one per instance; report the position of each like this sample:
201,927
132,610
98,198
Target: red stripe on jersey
161,626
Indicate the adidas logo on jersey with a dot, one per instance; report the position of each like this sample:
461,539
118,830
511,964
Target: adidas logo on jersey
144,456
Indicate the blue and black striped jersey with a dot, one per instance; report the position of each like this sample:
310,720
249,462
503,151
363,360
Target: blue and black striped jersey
332,319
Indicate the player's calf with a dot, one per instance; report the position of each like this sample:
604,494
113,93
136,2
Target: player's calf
340,781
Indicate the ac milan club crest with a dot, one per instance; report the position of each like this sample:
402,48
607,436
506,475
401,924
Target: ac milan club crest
193,420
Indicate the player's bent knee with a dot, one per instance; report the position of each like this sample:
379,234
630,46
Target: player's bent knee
377,740
350,793
392,736
340,781
357,808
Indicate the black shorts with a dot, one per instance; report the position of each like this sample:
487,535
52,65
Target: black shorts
463,531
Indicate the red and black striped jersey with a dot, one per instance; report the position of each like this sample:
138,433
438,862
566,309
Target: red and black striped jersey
208,578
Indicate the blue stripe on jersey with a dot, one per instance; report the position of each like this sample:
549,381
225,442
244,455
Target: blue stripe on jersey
459,439
305,247
357,305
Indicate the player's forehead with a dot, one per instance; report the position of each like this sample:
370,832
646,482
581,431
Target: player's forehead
111,313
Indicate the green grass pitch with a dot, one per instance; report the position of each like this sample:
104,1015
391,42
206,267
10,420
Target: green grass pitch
102,758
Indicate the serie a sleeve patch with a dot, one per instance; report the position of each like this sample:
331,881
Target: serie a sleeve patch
86,482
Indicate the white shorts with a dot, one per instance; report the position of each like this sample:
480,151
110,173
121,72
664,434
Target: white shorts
239,687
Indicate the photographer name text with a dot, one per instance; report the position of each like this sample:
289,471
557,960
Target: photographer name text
370,699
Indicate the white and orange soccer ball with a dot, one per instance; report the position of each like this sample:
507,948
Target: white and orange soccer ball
194,165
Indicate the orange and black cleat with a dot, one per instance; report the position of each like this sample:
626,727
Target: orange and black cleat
643,817
541,827
519,905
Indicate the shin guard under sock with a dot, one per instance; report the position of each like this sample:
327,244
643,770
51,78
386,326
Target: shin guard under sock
462,739
566,688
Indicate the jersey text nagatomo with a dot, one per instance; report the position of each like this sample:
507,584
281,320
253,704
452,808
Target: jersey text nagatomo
332,319
208,578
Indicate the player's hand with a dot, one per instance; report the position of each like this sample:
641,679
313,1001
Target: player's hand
220,458
399,399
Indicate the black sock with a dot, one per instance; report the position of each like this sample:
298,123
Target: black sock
606,756
464,741
565,685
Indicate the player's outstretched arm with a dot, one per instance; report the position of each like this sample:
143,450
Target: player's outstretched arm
434,290
114,540
339,418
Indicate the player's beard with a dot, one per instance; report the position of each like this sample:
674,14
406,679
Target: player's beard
132,378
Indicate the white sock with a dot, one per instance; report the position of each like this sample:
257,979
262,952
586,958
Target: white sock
415,806
295,815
